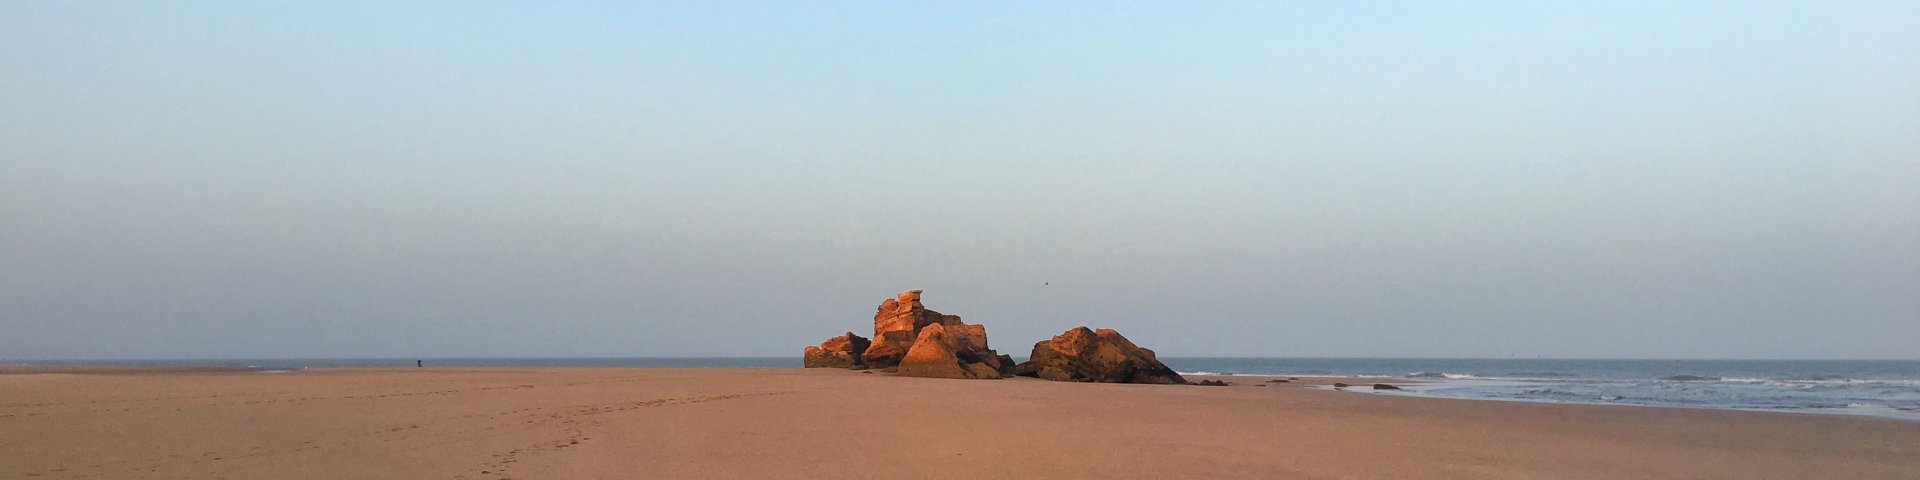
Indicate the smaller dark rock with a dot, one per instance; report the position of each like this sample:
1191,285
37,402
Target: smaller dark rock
869,372
1382,386
1293,378
838,352
1340,385
1277,381
1212,383
1082,354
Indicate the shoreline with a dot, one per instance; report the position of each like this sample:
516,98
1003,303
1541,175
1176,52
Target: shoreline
1363,386
1794,411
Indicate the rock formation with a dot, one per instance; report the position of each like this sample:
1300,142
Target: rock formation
914,341
838,352
897,324
932,355
939,353
1086,355
926,342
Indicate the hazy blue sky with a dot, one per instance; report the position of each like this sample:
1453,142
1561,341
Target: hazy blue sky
406,179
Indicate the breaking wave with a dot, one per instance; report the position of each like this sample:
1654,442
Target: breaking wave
1691,378
1455,376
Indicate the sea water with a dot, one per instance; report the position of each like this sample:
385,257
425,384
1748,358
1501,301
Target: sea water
1884,388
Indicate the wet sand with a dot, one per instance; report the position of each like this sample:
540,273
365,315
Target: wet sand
789,423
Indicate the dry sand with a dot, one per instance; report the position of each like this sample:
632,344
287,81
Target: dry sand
791,423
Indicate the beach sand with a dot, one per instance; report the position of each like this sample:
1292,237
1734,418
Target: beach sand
818,423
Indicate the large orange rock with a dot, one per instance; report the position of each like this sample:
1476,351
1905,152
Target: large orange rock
938,353
899,321
838,352
932,355
1086,355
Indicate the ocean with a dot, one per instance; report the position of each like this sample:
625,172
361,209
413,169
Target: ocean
1882,388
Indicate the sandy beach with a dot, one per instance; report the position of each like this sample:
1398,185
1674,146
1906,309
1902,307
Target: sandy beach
821,423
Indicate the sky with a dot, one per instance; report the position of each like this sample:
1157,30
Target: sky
244,179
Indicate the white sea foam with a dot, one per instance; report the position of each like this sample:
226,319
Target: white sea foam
1691,378
1846,382
1448,375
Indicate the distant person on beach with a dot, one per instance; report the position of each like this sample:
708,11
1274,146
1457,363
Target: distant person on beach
419,363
